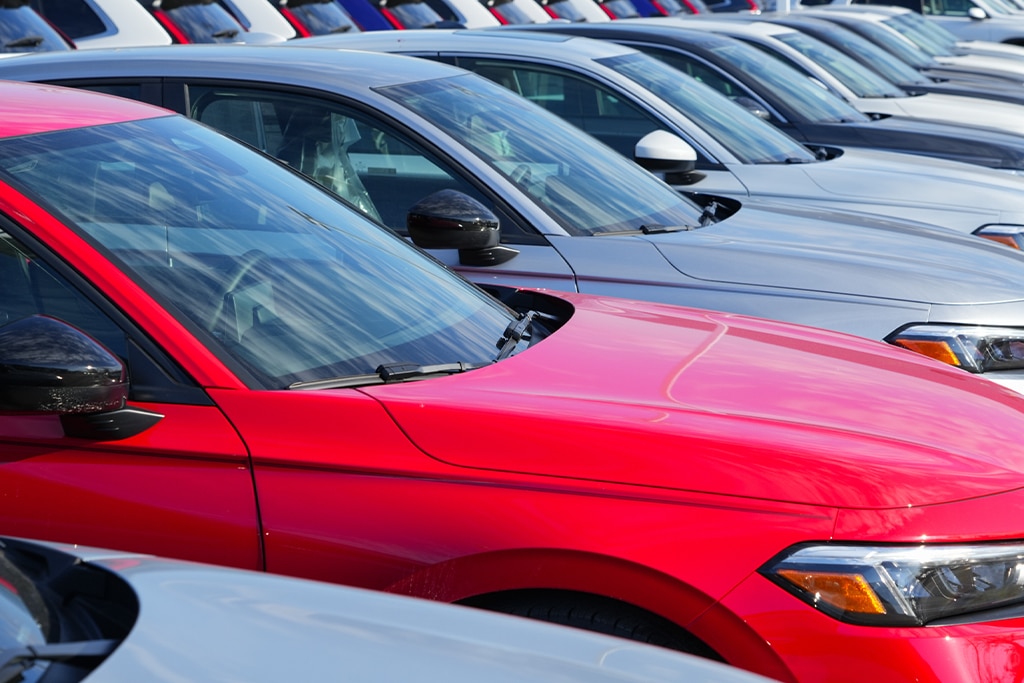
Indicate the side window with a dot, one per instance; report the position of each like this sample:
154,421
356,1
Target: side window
580,101
375,168
701,71
131,91
29,288
948,8
75,18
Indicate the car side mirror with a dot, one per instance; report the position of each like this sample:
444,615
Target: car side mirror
754,107
977,13
48,366
449,219
665,153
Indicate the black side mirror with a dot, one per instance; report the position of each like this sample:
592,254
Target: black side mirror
48,366
449,219
754,107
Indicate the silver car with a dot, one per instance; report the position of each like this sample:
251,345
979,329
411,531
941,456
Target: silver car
618,95
71,613
447,153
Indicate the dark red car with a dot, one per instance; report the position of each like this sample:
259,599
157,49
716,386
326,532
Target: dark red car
204,355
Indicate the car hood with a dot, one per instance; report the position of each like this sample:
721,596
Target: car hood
634,394
799,248
989,147
945,193
911,179
203,623
1003,116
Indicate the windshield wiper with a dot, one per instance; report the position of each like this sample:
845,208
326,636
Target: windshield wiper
226,33
513,334
27,41
16,660
386,373
654,228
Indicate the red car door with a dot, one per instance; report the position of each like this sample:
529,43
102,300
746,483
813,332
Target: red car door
183,486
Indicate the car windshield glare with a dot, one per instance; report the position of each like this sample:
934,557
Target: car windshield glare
927,42
286,281
585,186
22,30
869,53
810,101
906,51
414,14
860,79
747,137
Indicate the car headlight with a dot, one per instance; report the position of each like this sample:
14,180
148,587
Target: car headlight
1009,235
903,585
975,349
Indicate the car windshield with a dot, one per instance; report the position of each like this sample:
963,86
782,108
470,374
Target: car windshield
584,185
318,17
564,9
622,9
285,282
22,30
747,137
870,54
412,14
813,103
202,21
510,11
915,24
927,41
861,80
905,51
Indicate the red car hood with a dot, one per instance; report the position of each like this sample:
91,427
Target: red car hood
646,395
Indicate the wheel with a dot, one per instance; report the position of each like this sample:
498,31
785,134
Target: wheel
598,614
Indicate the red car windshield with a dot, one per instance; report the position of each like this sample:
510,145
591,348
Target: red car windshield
280,277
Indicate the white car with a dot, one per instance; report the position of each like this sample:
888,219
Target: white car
104,23
72,613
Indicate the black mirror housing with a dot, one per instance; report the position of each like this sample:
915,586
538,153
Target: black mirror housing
49,366
448,219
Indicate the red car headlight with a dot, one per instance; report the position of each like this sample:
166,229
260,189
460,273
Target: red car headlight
903,585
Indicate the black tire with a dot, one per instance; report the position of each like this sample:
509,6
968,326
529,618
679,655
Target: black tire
598,614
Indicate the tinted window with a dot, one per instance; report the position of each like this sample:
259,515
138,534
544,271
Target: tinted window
747,137
281,277
379,171
585,186
22,30
74,17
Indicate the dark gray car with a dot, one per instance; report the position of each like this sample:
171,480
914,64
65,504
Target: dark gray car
386,131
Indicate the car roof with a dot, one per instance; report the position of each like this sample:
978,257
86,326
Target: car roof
743,26
27,108
622,28
543,45
346,71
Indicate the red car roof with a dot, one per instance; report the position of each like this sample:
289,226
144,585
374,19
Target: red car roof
27,108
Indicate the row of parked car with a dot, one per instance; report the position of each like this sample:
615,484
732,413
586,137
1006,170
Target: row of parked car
647,327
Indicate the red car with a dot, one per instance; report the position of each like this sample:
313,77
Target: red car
203,355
